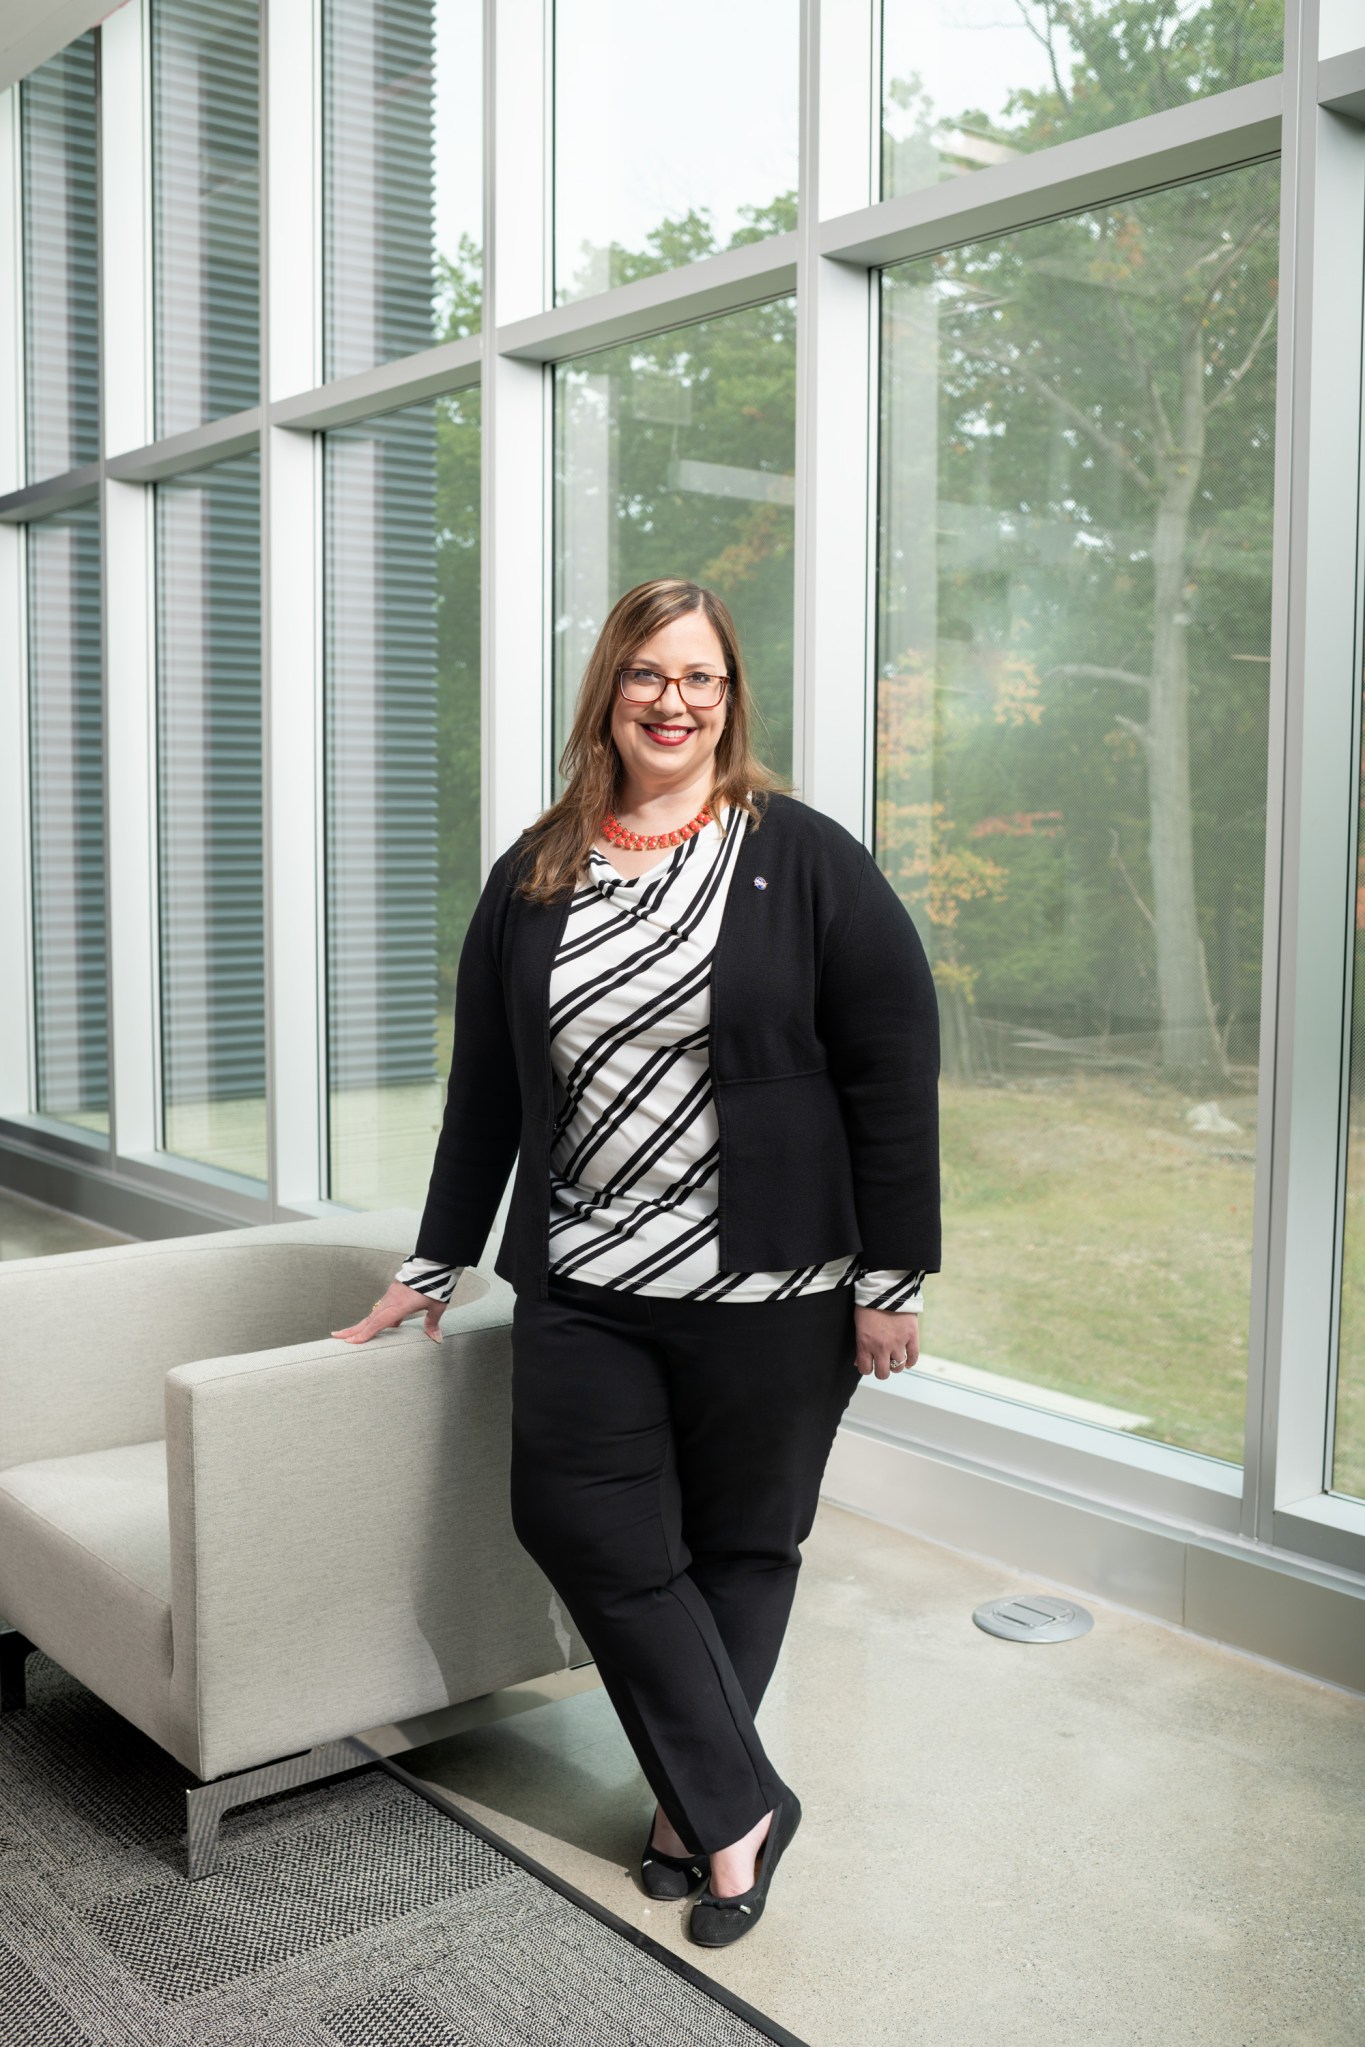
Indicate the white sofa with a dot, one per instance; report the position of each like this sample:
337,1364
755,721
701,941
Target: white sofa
250,1538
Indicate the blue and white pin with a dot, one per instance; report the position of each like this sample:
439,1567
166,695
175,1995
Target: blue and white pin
760,881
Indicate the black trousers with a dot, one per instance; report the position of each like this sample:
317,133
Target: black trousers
666,1464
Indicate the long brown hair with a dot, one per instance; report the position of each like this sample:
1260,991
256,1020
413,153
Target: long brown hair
556,846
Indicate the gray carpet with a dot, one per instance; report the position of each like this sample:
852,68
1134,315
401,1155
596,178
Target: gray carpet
352,1912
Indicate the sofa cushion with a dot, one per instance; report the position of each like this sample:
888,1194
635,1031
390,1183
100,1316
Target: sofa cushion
85,1572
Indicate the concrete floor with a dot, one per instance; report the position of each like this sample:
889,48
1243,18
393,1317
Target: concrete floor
1132,1838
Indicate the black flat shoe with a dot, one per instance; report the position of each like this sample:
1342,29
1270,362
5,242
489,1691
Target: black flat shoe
670,1876
718,1922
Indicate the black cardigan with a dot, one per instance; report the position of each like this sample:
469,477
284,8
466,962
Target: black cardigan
823,1051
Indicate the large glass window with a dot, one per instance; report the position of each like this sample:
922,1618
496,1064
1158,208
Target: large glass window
670,144
966,83
675,457
1072,720
209,815
206,192
403,104
402,782
66,778
61,282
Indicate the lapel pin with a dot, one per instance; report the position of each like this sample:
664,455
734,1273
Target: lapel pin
759,881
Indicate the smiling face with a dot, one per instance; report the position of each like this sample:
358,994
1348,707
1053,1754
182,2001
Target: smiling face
668,745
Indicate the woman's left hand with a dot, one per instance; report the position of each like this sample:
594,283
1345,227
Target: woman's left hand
886,1343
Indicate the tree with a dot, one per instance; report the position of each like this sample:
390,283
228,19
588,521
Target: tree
1138,343
674,456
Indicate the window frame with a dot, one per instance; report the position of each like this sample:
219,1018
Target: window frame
1313,114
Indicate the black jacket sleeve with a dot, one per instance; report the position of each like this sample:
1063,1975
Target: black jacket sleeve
877,1015
482,1123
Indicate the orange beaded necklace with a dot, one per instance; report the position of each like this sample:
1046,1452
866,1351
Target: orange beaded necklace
616,834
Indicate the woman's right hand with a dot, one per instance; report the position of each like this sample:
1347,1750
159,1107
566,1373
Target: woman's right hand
394,1306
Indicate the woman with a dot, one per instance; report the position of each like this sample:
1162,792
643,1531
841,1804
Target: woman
698,1016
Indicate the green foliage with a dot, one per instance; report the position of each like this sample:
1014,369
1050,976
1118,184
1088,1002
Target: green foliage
1115,60
1092,374
457,689
720,398
459,291
689,238
1101,62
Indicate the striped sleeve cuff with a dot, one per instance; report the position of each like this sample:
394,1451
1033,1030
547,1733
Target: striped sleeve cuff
429,1276
897,1293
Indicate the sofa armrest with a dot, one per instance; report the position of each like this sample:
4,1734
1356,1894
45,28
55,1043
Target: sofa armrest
90,1335
342,1553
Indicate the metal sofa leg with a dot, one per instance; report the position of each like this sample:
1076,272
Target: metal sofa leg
205,1804
15,1650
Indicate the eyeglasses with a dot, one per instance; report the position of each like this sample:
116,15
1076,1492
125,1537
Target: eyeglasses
700,687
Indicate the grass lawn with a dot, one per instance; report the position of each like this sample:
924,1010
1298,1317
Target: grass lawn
1095,1243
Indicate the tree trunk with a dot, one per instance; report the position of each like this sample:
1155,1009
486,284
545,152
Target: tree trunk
1190,1050
958,1055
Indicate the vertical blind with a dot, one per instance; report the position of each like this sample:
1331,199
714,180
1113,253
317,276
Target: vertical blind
66,772
61,307
206,205
378,59
209,812
381,751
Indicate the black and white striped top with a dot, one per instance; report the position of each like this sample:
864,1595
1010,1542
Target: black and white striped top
635,1152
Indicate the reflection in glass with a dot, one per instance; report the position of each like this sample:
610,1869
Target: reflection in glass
402,782
668,149
206,201
61,283
675,457
66,780
403,122
968,83
1072,720
209,816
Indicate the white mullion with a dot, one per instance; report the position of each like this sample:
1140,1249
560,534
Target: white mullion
1190,141
835,439
1315,684
806,436
1323,631
292,149
125,242
17,1009
217,440
449,366
291,541
713,285
12,466
295,880
516,470
126,511
126,518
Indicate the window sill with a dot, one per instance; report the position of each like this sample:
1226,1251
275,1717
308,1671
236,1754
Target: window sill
1330,1527
65,1140
1109,1466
